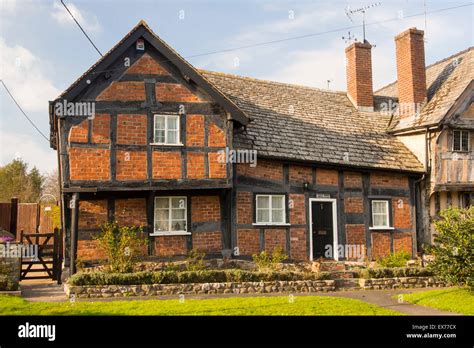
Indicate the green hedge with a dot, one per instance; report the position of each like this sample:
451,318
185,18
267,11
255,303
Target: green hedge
7,284
395,272
185,277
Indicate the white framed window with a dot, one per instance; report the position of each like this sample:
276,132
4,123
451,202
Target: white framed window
170,215
380,214
461,140
270,209
166,130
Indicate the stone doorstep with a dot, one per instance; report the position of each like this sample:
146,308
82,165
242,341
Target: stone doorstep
11,293
303,286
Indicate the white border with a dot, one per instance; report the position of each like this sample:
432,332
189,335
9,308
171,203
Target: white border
334,223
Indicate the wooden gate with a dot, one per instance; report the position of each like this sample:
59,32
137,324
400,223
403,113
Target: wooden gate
47,260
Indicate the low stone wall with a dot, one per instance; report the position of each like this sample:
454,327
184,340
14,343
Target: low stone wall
399,283
10,268
303,286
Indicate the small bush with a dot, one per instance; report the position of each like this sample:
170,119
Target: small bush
453,248
398,259
7,284
186,277
195,261
121,245
265,261
395,272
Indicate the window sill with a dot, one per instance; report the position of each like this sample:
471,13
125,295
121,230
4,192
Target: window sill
176,233
378,228
270,224
162,144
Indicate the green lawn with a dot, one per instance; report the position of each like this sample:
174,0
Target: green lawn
304,305
454,300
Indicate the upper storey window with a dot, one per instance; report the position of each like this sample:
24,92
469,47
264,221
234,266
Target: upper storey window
461,140
166,130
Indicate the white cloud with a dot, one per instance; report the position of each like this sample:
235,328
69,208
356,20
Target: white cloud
16,145
8,6
22,72
62,17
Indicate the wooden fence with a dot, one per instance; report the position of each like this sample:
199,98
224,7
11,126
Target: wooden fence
27,217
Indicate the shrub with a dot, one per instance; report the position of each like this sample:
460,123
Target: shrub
398,259
195,261
121,245
265,261
186,277
453,248
395,272
7,284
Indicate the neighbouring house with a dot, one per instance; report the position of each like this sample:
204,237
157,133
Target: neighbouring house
144,138
440,131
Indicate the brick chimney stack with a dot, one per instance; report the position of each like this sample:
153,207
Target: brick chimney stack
411,71
359,75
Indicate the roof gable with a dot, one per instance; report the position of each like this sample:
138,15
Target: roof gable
187,71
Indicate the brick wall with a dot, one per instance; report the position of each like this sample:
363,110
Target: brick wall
352,179
205,209
401,212
298,244
174,92
402,242
265,169
147,65
326,177
131,212
275,238
388,180
124,91
131,165
131,129
89,163
101,129
298,212
207,241
244,207
167,246
301,174
217,167
248,241
353,205
196,166
92,214
355,234
166,165
195,130
380,244
217,136
79,133
88,250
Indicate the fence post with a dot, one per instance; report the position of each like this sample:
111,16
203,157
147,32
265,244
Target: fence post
55,253
60,255
14,217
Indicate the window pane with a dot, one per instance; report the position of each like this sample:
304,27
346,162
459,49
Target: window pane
178,225
465,141
277,216
456,141
161,214
172,137
380,220
172,122
379,207
159,122
161,202
159,136
263,202
263,215
178,214
178,202
277,202
161,225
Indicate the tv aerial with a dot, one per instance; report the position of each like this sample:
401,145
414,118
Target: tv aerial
363,10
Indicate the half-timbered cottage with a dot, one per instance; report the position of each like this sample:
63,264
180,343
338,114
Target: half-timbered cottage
169,148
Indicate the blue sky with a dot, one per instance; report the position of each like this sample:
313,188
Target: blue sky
42,51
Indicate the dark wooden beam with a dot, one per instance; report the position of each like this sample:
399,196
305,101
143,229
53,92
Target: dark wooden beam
74,205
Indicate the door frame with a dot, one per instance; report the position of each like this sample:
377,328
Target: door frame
334,223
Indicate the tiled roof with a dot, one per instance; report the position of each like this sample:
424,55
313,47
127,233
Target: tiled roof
308,124
445,80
